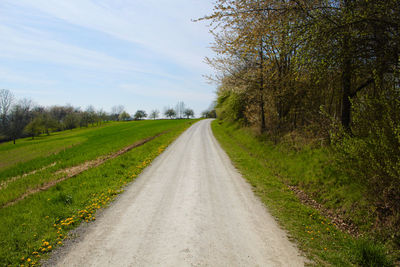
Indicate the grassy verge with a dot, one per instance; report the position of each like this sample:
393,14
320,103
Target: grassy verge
33,227
271,168
49,154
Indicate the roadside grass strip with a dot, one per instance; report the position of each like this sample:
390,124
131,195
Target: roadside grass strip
316,235
33,227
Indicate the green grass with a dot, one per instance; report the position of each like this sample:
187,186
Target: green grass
271,168
66,149
47,216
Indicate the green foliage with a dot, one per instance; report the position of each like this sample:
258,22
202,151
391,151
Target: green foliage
140,114
371,155
230,106
35,127
124,116
170,113
271,168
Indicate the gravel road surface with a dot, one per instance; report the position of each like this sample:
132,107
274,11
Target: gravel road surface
190,207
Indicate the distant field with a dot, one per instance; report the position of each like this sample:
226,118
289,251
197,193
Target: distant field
33,226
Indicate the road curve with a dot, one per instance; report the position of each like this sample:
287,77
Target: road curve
189,208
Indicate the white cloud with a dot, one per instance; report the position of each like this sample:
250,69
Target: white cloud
161,26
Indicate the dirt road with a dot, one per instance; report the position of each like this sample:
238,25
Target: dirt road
189,208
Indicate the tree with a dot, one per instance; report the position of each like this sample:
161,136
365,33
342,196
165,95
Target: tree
35,127
6,99
124,116
19,118
179,109
154,114
71,121
140,114
189,113
48,123
209,114
116,111
170,113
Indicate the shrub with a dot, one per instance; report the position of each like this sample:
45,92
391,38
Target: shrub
371,155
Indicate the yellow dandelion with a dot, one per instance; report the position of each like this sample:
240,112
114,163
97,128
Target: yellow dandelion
28,260
49,247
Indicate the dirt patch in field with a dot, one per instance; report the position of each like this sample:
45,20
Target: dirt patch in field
4,184
75,170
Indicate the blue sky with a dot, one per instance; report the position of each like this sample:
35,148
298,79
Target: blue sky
141,54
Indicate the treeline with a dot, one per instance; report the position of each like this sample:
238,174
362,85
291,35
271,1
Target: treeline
23,118
326,70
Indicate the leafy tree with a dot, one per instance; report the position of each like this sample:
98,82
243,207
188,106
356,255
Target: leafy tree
124,116
35,127
170,113
71,121
140,114
189,113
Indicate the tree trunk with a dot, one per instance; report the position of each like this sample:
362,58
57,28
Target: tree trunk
346,92
262,113
346,82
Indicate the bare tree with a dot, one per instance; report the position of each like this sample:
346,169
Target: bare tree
6,99
179,109
116,111
19,118
154,114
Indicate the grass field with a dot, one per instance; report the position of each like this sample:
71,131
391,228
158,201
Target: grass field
271,169
48,154
32,227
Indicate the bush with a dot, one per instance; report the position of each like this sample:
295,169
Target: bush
371,155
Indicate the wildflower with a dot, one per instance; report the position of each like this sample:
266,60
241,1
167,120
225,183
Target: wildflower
59,242
325,248
49,247
28,260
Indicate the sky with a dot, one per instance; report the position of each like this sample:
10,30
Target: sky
146,54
